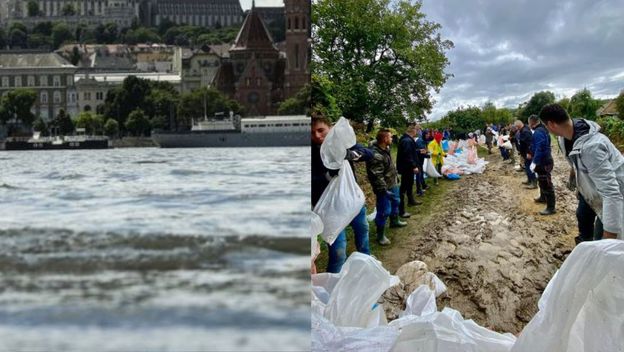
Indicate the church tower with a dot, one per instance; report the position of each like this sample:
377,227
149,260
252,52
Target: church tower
298,50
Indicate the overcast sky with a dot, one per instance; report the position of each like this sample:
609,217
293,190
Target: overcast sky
246,4
507,50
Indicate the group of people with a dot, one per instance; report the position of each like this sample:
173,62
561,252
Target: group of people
597,167
597,172
392,193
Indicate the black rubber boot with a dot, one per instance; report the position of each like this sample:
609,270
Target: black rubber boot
540,199
532,185
550,205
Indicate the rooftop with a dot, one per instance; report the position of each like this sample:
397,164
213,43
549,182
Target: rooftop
33,60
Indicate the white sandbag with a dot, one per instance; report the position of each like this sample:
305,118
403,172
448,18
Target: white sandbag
482,139
370,217
582,308
420,302
328,337
447,331
430,170
507,145
316,227
353,300
341,201
334,148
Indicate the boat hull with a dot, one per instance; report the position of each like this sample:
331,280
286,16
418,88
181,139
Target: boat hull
23,145
230,139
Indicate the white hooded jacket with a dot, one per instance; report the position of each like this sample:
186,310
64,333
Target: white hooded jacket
599,169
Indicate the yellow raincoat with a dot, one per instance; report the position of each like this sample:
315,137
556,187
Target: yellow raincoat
437,153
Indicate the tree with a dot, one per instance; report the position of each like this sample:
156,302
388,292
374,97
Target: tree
536,103
106,34
61,34
111,128
32,8
18,38
323,102
68,10
141,35
17,104
383,57
90,122
619,104
63,123
297,105
489,113
583,105
122,100
138,124
40,126
564,102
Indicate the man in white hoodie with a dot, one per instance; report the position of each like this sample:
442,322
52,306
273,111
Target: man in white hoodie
596,163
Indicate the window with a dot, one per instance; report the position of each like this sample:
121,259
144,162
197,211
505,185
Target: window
56,81
87,95
18,81
43,80
44,98
296,22
288,22
296,56
99,95
70,81
5,81
57,97
31,81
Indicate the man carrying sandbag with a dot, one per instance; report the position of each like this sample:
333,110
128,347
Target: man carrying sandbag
598,169
320,180
407,165
542,164
384,179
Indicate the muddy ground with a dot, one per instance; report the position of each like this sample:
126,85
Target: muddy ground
490,247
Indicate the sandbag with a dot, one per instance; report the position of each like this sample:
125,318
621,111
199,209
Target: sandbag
353,299
316,227
445,145
507,145
420,302
334,148
582,308
430,170
328,337
341,201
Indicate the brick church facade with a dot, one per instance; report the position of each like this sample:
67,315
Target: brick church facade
257,73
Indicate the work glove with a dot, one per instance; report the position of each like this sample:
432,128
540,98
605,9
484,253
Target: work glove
532,167
353,155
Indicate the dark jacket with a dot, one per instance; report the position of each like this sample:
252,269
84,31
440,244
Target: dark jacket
525,139
406,155
381,171
420,158
322,175
540,146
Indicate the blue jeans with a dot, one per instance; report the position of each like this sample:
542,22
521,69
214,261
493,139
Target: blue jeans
589,225
387,206
527,169
338,250
504,153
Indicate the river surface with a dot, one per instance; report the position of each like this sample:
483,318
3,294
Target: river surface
155,249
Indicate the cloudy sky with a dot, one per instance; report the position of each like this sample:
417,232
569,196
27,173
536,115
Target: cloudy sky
507,50
246,4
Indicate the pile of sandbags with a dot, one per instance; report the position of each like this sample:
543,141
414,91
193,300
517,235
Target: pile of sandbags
581,310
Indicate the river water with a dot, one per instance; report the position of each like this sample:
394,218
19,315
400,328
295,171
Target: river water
155,249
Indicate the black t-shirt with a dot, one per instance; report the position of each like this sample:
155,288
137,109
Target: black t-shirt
581,128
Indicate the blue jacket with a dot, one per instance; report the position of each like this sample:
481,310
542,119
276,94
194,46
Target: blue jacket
540,146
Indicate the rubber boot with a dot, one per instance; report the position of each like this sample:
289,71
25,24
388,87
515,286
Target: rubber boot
381,237
550,205
526,183
532,185
540,199
405,215
395,222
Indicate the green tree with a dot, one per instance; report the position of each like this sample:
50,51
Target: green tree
60,34
18,38
63,123
536,103
40,126
504,116
122,100
489,113
323,102
383,57
43,28
3,39
138,124
111,128
297,105
141,35
32,8
583,105
106,34
68,10
92,123
619,104
564,102
17,104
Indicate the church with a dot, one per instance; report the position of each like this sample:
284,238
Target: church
259,73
